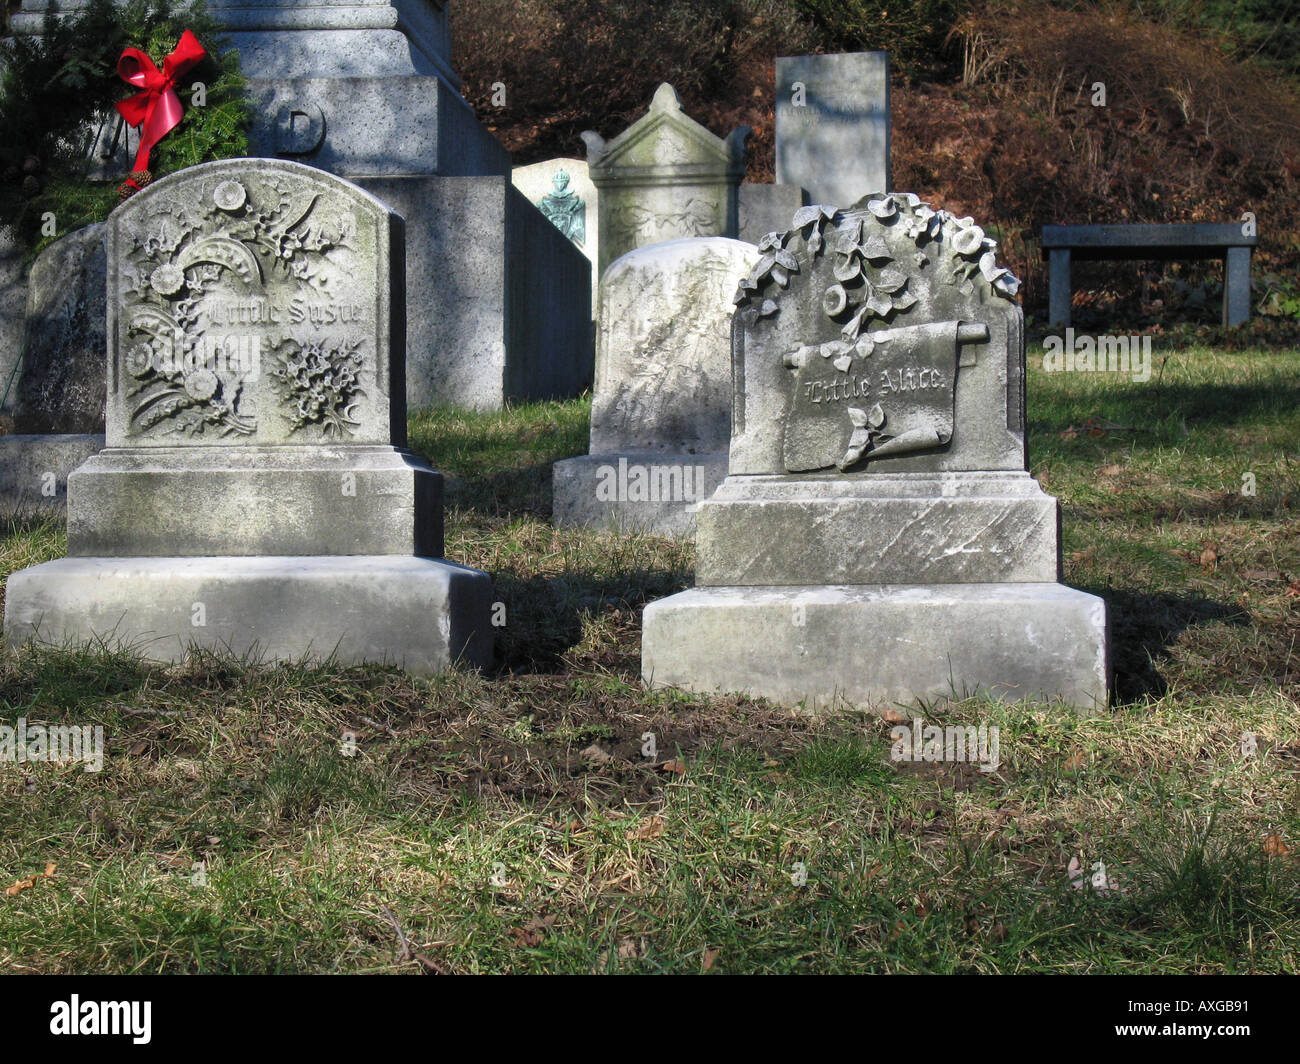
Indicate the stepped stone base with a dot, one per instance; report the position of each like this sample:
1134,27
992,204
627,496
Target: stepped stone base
342,499
878,645
910,528
420,614
637,491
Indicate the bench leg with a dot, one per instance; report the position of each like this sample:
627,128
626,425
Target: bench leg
1059,287
1236,286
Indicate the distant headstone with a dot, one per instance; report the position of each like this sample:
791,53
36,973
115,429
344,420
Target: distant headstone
665,177
255,494
13,304
764,208
562,190
661,406
832,124
57,387
878,538
60,388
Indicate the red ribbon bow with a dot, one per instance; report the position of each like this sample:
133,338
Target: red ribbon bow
156,109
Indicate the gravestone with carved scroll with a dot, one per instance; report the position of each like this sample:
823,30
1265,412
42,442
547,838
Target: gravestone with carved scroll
255,493
878,538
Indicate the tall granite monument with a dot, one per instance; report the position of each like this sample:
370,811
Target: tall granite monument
255,494
878,538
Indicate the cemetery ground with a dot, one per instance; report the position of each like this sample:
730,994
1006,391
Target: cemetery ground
511,822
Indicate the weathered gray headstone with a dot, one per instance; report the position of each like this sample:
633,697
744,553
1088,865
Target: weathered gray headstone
256,494
13,305
60,387
562,190
832,124
877,537
661,405
57,386
665,177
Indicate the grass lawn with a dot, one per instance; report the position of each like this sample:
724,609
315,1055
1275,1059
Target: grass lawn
510,822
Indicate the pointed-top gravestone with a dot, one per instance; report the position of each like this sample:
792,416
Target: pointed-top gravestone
255,494
665,177
878,537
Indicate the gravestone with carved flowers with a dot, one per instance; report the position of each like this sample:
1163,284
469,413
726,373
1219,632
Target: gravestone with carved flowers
255,494
878,538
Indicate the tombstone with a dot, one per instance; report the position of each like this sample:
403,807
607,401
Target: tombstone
57,386
562,190
256,495
878,538
660,410
764,208
13,302
665,177
832,124
364,89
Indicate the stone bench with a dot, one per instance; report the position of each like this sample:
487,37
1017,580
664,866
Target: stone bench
1183,241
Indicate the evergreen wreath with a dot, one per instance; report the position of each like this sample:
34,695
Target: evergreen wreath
57,91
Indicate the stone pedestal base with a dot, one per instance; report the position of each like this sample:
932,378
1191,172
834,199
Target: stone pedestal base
34,468
326,499
636,491
420,614
901,528
877,645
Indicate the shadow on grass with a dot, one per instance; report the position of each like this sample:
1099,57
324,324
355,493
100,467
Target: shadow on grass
1144,628
546,614
510,493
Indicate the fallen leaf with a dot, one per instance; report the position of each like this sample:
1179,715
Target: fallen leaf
627,949
1076,761
1293,589
675,767
532,933
893,716
709,958
1210,556
1275,847
1111,470
651,829
594,755
16,888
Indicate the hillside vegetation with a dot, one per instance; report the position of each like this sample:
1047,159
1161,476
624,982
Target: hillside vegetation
992,107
